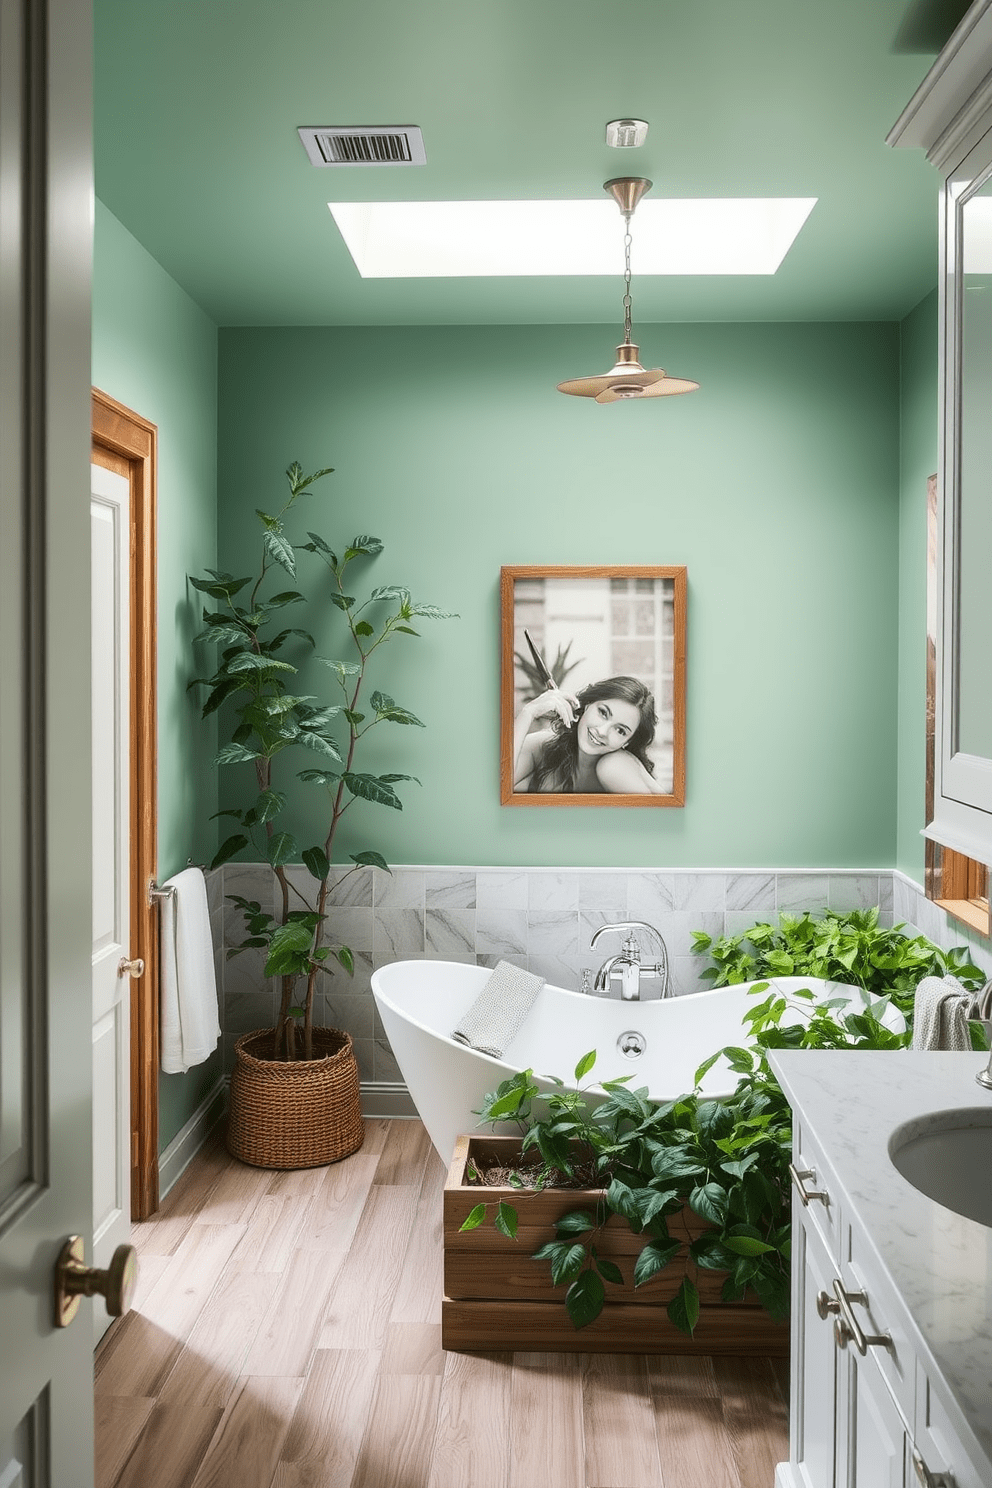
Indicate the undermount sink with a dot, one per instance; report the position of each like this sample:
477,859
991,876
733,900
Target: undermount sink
947,1155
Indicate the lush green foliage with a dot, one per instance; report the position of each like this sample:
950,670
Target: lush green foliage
258,659
726,1159
850,948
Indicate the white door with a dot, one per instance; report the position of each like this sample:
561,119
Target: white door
109,554
46,1373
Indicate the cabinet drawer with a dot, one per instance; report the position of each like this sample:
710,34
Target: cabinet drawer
879,1315
812,1181
939,1442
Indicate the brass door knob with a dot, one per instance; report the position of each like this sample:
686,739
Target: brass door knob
135,968
75,1280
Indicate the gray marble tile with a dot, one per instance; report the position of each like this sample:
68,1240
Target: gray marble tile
605,893
461,958
501,931
337,979
736,921
244,973
398,932
650,896
929,918
450,933
490,960
796,892
885,892
591,920
351,887
560,971
365,1058
403,888
351,927
499,890
252,881
352,1014
903,898
303,887
220,962
678,926
699,891
248,1011
553,891
214,880
750,891
449,890
687,975
384,1061
552,932
853,891
380,959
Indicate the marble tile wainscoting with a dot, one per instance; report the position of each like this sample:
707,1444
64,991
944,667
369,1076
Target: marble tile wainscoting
538,918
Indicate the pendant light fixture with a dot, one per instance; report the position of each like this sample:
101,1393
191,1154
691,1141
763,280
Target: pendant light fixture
628,379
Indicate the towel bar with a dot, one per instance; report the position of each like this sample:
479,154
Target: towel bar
158,895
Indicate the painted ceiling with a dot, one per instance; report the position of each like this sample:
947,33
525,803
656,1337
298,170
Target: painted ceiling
198,102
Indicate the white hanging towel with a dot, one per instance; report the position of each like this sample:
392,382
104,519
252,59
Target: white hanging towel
190,1026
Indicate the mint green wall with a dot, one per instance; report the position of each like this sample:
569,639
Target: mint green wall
917,461
776,484
155,351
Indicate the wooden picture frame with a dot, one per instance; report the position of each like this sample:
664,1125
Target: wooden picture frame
586,626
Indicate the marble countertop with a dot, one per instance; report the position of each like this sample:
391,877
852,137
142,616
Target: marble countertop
939,1262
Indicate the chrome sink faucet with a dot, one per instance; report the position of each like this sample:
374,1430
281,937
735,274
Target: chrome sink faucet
627,965
984,1077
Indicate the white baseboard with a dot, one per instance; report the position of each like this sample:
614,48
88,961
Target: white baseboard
389,1099
187,1142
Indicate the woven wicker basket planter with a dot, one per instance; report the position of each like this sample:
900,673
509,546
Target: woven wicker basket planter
300,1114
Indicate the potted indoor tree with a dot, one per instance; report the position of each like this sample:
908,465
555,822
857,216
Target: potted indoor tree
294,1091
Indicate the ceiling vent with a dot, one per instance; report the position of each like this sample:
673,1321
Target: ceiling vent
376,144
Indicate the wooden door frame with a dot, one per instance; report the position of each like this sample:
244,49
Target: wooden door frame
127,443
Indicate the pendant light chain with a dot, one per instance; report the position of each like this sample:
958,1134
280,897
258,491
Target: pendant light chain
627,240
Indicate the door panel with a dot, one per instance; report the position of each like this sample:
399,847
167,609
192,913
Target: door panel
110,651
46,1404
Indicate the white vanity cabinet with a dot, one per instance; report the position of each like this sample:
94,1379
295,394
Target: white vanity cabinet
871,1406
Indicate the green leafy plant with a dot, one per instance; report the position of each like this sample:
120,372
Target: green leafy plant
253,680
725,1159
851,948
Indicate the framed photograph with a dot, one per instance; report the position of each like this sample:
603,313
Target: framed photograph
592,686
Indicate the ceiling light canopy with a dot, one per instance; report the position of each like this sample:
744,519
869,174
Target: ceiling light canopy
627,378
459,239
626,134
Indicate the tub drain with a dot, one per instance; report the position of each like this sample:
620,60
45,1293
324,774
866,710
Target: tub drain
632,1044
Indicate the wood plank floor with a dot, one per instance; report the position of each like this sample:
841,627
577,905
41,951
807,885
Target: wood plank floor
286,1334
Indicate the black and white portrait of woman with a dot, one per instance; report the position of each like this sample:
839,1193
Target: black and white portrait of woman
593,686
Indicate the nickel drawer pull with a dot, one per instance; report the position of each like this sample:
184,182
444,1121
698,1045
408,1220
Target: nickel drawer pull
825,1305
799,1175
930,1479
847,1329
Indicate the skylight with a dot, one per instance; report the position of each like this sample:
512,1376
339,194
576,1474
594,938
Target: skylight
457,239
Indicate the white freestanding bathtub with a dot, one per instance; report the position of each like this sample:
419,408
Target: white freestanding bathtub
420,1002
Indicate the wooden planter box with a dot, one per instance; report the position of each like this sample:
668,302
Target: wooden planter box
496,1297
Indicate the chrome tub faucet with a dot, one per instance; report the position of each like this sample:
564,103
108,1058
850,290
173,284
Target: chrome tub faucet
627,964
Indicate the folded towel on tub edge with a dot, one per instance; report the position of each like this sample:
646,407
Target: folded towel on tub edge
498,1013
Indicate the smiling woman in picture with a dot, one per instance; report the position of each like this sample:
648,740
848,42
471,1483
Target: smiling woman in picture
596,742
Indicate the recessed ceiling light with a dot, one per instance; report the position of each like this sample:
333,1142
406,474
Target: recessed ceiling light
458,239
